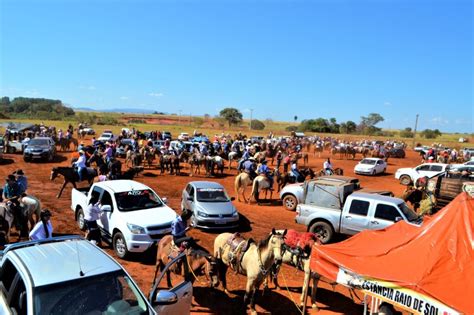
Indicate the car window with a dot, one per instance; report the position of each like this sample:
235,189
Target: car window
379,162
436,168
423,168
191,192
96,193
19,297
107,199
7,274
359,207
386,212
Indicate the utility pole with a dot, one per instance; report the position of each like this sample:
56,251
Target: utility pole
414,131
251,112
179,116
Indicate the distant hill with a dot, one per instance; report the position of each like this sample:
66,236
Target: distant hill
116,110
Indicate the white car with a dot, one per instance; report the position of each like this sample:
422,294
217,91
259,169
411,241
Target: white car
183,136
370,166
407,175
106,136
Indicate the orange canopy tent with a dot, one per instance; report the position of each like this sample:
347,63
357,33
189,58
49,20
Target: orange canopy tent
427,269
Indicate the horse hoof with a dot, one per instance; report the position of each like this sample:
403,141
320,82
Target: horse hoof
314,307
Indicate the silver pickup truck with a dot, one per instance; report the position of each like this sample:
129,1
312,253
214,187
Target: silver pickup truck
333,209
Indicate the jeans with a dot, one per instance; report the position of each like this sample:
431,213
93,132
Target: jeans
80,173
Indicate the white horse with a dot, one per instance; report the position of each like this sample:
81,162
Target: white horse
260,183
233,156
31,205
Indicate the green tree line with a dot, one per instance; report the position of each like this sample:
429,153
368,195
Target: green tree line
40,108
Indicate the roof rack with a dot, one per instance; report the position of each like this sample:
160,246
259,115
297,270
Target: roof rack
55,239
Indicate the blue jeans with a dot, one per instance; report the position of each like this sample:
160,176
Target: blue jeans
80,173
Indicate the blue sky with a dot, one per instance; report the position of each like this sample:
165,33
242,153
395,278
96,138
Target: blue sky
333,58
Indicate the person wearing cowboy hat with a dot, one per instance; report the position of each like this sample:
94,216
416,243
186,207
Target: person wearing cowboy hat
81,165
43,229
265,170
21,180
249,167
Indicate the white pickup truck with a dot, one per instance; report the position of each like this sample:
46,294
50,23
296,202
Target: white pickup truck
331,209
133,216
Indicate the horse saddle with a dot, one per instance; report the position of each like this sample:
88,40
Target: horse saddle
237,248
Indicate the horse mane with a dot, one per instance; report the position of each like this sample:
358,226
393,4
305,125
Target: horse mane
199,253
264,243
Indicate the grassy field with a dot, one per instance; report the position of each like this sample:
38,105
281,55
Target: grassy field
211,126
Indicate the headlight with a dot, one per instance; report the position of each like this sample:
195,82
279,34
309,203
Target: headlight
202,214
234,214
135,229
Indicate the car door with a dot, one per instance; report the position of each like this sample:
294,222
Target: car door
422,170
384,215
107,216
379,167
187,194
355,219
183,291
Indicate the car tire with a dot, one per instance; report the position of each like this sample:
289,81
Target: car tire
26,159
80,219
374,172
120,246
290,202
405,180
323,231
50,157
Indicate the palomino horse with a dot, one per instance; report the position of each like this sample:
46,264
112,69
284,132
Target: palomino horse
6,223
31,206
200,262
240,184
296,253
261,182
255,260
70,176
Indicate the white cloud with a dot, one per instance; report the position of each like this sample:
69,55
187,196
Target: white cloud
123,98
439,121
156,94
87,87
386,103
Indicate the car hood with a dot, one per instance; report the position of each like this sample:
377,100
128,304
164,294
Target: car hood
364,166
215,207
150,217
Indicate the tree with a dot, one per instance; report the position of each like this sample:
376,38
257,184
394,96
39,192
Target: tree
351,126
367,124
406,133
295,118
231,115
257,124
430,134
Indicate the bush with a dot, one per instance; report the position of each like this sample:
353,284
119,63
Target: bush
107,121
137,121
406,133
430,134
257,124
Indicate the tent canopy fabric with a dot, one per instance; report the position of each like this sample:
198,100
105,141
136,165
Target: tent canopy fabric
435,259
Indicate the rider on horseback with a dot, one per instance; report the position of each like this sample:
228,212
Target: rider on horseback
179,228
245,157
81,165
295,173
264,170
327,166
249,168
11,196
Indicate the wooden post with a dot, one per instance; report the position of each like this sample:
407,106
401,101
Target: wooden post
305,293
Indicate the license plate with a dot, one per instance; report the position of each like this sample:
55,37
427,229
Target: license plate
220,222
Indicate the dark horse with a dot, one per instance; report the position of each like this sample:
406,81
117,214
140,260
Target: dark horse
70,176
284,179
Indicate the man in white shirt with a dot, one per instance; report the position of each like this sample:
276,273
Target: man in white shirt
81,165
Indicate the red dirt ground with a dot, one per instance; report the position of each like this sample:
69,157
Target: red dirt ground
261,218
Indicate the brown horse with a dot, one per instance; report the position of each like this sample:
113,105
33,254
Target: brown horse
70,176
200,262
255,262
336,171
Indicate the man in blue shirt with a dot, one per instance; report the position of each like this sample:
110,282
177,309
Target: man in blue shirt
179,226
264,170
22,181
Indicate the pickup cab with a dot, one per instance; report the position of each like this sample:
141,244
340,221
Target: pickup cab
133,218
69,275
334,209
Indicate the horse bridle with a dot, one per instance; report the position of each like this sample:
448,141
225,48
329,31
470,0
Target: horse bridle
260,264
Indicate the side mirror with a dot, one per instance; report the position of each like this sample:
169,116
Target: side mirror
165,297
232,198
165,200
398,219
190,199
106,208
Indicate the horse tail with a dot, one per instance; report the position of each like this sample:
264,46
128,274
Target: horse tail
237,184
255,189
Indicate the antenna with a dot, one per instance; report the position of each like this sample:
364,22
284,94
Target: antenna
81,273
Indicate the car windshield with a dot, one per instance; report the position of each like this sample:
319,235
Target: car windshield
409,213
137,200
212,195
103,294
368,162
38,142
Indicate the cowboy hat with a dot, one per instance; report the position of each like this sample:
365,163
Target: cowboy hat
81,152
19,172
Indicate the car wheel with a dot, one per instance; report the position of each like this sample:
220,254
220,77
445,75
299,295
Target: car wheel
323,231
120,246
405,180
26,159
80,219
290,202
50,157
374,172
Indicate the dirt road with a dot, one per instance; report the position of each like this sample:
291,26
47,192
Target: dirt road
260,219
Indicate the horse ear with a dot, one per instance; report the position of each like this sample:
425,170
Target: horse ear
273,231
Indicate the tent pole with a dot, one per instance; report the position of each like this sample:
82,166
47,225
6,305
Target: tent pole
316,278
365,304
305,292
